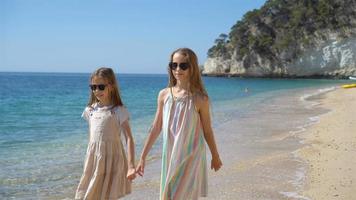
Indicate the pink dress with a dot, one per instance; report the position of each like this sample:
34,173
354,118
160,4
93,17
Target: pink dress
105,165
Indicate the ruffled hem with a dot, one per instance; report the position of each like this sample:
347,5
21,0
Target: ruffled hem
104,175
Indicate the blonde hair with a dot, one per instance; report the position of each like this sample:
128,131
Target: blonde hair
195,81
109,75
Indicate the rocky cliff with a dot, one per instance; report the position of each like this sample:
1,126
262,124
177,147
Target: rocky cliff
289,38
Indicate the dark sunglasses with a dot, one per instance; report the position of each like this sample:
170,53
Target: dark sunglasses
100,87
182,66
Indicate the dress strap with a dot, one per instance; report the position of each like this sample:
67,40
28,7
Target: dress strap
171,91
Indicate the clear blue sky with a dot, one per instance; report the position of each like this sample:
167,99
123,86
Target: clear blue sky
129,35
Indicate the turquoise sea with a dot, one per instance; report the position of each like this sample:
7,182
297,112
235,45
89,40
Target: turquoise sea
43,138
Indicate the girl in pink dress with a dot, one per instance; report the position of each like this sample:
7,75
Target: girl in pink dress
107,172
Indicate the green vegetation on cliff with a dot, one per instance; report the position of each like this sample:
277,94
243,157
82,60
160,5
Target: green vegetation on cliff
285,26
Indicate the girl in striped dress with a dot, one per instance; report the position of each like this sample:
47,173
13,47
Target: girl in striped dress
184,119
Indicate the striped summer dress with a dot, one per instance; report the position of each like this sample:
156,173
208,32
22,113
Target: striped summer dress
184,171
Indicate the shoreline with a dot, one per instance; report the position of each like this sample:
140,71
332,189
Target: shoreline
330,147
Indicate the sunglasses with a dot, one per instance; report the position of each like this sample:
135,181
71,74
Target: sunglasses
101,87
182,66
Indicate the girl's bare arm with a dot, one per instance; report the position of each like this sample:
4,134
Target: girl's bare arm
204,112
154,132
131,173
130,144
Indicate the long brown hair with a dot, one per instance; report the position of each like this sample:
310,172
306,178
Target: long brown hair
195,82
109,75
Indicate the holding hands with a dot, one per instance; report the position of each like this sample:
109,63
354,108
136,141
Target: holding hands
131,173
